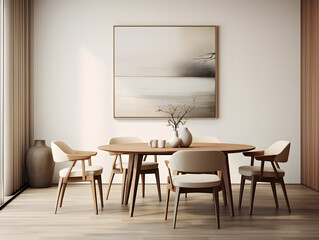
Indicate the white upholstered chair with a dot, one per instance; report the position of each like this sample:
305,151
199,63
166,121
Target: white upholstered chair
277,153
63,153
194,162
210,139
120,167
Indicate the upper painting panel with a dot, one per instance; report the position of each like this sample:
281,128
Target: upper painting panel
159,65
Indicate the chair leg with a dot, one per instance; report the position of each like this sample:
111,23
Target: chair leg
62,193
123,184
241,191
94,194
58,195
158,185
176,206
220,174
216,206
99,181
167,202
281,180
110,184
274,192
183,174
143,184
224,193
252,194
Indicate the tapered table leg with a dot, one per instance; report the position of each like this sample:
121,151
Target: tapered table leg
228,187
129,178
136,173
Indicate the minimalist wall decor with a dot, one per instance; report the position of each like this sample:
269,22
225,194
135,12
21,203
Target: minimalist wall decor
159,65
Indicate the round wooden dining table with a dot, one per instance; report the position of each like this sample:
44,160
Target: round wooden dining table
136,151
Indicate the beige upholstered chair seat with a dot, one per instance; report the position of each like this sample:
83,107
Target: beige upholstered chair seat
255,170
196,180
145,165
118,165
77,172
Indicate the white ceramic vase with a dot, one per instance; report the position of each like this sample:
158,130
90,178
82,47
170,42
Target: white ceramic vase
175,141
186,137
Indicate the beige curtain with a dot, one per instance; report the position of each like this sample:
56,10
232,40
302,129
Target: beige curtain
17,75
310,93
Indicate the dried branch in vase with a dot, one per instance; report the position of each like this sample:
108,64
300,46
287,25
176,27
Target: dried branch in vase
176,113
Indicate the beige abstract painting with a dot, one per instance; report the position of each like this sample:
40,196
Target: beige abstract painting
159,65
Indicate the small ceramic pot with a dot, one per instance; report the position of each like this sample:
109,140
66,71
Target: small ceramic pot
161,143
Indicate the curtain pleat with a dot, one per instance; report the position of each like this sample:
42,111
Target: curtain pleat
19,107
1,101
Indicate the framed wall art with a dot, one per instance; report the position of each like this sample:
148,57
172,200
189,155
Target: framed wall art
159,65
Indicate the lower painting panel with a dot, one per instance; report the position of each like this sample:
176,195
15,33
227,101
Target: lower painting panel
140,97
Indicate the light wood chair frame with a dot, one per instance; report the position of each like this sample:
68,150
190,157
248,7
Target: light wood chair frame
123,171
178,190
259,155
63,181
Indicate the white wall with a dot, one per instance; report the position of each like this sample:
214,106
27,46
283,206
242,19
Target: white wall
259,73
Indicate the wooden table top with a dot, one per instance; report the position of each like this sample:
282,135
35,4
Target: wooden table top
145,149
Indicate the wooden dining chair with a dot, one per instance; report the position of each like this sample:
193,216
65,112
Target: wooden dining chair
277,153
210,139
120,167
194,162
63,153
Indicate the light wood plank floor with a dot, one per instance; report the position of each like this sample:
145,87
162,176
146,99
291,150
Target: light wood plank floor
30,216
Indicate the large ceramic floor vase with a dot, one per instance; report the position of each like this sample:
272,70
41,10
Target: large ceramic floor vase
40,165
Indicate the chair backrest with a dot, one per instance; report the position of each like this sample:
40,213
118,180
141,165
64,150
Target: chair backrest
60,151
279,148
197,161
205,139
123,140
